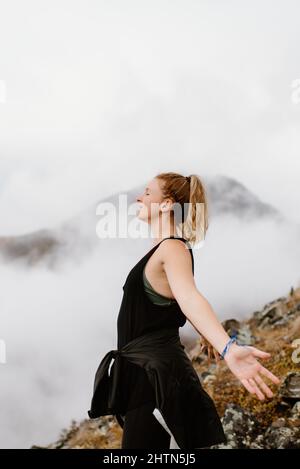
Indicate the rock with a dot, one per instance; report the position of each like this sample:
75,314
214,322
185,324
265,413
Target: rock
290,387
280,422
240,426
295,411
282,437
243,332
209,379
243,431
276,313
258,443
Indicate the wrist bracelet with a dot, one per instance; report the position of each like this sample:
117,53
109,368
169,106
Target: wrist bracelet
232,339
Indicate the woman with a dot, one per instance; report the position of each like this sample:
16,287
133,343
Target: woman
152,387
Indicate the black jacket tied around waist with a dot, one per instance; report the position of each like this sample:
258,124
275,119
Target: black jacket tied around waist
187,409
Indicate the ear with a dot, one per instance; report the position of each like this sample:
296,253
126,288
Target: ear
166,204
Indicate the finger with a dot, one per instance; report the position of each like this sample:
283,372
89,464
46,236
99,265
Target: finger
269,375
258,392
248,386
263,385
259,353
216,355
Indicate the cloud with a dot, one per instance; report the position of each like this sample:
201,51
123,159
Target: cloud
101,96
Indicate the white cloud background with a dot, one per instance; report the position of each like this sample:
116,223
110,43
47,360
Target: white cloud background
100,97
124,89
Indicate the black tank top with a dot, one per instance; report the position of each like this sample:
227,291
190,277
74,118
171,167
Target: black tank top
138,315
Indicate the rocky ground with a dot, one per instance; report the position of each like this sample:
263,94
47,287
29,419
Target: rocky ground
247,421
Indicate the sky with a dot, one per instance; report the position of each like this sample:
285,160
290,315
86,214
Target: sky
96,97
100,96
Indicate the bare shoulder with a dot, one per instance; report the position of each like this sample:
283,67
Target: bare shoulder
175,249
176,262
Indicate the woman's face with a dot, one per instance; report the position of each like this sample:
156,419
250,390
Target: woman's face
149,201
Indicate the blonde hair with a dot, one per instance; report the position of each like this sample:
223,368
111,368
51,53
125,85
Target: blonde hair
190,191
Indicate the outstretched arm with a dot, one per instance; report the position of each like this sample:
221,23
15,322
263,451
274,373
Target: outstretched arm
241,360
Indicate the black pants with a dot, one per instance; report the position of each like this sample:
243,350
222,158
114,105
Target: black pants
142,429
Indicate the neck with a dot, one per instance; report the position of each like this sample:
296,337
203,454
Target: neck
161,231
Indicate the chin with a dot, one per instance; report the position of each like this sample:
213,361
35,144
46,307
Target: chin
140,215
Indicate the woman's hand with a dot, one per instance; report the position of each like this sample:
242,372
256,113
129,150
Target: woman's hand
241,360
206,347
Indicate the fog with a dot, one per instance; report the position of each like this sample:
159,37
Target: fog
99,97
